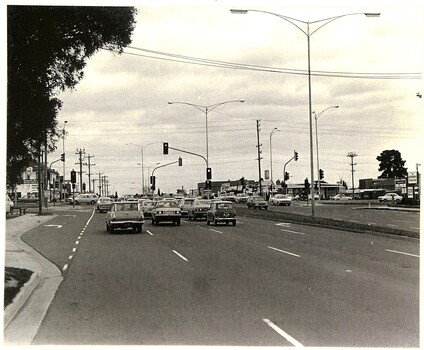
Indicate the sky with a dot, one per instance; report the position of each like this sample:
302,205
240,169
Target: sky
371,67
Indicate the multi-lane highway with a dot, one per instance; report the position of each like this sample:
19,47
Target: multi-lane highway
260,283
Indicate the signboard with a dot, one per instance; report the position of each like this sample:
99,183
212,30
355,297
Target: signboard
266,174
412,177
400,183
410,192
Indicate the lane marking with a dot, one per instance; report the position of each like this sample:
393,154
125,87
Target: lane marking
397,252
76,242
285,335
371,223
70,257
392,225
415,228
151,234
74,250
57,226
65,267
283,224
299,233
283,251
181,256
211,229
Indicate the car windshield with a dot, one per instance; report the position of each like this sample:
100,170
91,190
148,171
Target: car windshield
126,206
204,202
105,200
258,198
148,204
224,206
166,204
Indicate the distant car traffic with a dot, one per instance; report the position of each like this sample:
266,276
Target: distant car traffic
166,211
241,198
221,211
86,198
281,199
104,204
199,209
124,215
185,204
389,197
341,197
146,206
257,202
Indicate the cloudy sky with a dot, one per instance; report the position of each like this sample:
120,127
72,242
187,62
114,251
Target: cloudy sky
370,67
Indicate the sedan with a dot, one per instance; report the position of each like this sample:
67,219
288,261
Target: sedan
104,204
257,202
199,209
341,197
221,211
166,211
146,206
389,197
281,199
124,215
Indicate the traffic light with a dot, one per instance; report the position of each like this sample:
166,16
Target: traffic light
83,187
62,157
208,173
307,184
165,148
61,179
286,176
73,176
153,182
208,184
321,174
296,156
180,161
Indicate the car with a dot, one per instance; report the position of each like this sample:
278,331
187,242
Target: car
221,211
257,202
185,204
199,209
86,198
166,211
241,198
104,204
281,199
147,207
124,215
316,196
389,197
341,197
29,198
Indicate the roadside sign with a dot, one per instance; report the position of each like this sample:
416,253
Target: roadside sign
400,183
412,177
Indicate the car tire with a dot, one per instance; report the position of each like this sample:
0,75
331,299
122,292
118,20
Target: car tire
234,223
178,222
112,230
216,222
153,221
207,222
76,202
266,208
107,228
92,202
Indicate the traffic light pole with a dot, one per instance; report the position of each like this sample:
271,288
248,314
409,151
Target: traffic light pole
295,157
161,166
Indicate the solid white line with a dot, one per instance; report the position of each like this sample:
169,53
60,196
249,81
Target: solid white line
283,251
215,230
395,251
181,256
286,336
299,233
151,234
65,267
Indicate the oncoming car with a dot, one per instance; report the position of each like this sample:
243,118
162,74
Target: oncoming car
124,215
221,211
281,199
166,211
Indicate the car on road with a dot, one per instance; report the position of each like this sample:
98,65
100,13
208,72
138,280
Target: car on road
29,198
86,198
241,198
316,196
389,197
221,211
185,204
257,202
146,206
199,209
124,215
166,211
281,199
104,204
341,197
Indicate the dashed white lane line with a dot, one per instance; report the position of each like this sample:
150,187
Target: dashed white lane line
403,253
65,267
285,335
299,233
283,251
181,256
211,229
151,234
70,257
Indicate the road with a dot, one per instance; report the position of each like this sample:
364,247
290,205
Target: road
260,283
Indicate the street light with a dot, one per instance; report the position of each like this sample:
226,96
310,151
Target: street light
297,23
316,139
270,147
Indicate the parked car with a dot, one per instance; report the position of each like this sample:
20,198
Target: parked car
86,198
257,202
221,211
316,196
29,198
104,204
388,197
147,207
241,198
166,211
199,209
185,204
281,199
341,197
124,215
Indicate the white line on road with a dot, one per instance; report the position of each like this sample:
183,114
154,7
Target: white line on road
395,251
76,242
371,223
74,250
391,225
181,256
70,257
65,267
415,228
283,251
286,336
151,234
299,233
211,229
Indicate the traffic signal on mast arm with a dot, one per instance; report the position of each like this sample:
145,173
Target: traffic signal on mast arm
296,156
286,176
208,173
321,174
165,148
180,161
73,176
62,157
153,182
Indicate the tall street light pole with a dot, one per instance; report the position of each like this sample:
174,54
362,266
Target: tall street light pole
316,139
270,147
206,110
297,23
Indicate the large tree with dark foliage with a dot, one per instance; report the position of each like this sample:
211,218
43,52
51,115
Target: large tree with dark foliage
391,165
47,49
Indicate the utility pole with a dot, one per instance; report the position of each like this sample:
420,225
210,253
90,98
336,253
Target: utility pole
89,156
81,154
352,164
100,183
94,184
259,155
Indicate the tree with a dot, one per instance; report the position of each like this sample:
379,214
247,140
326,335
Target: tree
391,165
47,49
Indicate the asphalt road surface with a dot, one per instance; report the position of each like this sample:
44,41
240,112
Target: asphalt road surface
260,283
